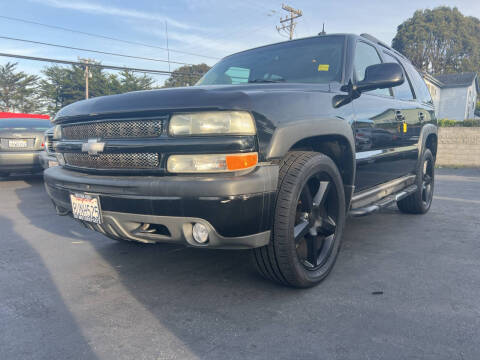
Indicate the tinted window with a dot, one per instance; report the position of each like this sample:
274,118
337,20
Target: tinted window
313,60
421,90
24,124
366,55
403,92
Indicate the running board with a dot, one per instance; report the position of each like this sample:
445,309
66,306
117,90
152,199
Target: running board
384,202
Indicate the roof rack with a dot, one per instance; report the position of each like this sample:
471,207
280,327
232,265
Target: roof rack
381,43
374,40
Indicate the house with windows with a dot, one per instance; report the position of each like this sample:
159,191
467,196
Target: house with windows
454,95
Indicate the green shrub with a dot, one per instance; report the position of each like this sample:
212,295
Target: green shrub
447,123
471,123
454,123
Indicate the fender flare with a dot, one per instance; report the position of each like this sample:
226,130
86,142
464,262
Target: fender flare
286,136
427,130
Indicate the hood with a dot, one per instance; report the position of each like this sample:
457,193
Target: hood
215,97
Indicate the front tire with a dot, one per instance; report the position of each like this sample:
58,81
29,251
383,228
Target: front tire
420,201
308,223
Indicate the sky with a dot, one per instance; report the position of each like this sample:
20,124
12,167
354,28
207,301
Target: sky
209,29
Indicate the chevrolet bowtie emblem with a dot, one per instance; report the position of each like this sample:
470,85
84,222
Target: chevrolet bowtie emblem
93,147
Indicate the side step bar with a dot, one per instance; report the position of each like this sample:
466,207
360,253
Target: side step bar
384,202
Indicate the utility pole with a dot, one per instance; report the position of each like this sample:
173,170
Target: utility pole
88,74
287,22
168,50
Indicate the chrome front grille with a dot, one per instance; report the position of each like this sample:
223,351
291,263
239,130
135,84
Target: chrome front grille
113,129
113,161
49,144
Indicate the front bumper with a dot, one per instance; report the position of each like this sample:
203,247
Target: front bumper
13,161
237,210
46,159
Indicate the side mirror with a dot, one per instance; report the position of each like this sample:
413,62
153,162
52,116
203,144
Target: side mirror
381,76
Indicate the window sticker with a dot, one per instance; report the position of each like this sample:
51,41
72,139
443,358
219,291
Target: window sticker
323,67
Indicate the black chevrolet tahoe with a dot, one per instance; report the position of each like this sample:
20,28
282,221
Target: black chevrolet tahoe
271,150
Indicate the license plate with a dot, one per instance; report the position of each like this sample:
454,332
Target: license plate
17,143
52,163
86,207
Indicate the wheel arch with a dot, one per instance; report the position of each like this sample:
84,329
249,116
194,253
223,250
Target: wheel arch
432,144
428,140
332,137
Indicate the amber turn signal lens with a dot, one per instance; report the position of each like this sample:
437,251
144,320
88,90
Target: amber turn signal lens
241,161
210,163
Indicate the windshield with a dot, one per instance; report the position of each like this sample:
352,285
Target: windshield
312,60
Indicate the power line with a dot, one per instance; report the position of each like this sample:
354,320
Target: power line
103,36
259,4
92,51
224,35
110,67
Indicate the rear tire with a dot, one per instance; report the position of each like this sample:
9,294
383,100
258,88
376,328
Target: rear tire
308,223
420,201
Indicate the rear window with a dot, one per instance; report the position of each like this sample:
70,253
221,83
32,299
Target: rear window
24,124
312,60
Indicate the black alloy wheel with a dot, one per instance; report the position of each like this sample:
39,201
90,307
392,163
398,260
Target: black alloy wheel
308,222
420,201
316,221
427,182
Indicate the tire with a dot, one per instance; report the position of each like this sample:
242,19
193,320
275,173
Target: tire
309,218
420,201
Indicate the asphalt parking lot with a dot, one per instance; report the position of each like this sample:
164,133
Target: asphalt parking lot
404,287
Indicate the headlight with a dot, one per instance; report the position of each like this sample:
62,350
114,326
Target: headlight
212,123
60,159
211,163
57,132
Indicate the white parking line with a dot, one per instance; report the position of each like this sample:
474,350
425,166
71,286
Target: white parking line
456,199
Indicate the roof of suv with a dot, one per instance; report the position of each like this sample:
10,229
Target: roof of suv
287,41
363,36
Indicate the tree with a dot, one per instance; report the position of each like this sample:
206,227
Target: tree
18,90
441,40
62,86
186,75
56,88
129,81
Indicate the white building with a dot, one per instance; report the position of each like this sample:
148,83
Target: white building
454,95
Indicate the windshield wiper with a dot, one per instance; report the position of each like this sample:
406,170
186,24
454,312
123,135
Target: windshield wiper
266,80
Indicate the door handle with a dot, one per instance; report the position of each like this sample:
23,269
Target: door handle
399,115
421,116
